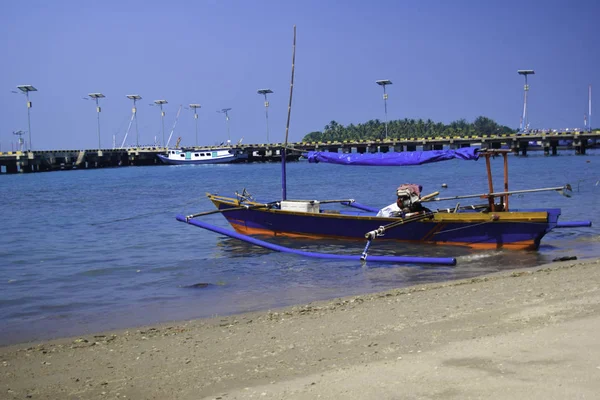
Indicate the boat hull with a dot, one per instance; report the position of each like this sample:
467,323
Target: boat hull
515,230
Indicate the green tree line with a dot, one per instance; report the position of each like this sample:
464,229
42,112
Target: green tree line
407,128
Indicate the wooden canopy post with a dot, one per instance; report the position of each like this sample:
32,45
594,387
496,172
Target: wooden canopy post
505,157
490,182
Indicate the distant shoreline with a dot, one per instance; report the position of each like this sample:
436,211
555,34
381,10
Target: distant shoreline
16,162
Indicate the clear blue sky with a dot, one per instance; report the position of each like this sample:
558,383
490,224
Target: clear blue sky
447,60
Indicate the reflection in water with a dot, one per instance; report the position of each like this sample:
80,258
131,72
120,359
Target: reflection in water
233,248
286,279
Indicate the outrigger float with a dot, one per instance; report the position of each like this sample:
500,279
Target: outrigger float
489,225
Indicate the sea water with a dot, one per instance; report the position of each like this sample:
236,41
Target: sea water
84,251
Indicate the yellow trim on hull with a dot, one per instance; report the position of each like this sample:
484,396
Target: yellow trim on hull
440,218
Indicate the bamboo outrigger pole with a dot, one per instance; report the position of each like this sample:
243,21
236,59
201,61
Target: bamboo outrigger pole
562,189
287,126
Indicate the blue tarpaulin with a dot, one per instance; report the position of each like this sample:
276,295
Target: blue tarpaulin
405,158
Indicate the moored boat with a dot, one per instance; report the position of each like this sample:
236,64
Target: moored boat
482,229
202,156
489,225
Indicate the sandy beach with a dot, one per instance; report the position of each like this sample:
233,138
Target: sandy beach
521,334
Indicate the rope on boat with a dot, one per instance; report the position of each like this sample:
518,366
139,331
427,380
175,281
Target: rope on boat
381,230
565,224
471,226
271,246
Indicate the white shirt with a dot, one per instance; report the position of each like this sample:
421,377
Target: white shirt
387,211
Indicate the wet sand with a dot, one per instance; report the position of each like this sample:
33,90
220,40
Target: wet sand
519,334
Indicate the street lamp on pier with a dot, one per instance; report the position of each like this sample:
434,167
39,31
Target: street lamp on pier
589,119
383,83
20,140
524,125
97,97
135,98
162,117
226,112
195,107
26,89
265,92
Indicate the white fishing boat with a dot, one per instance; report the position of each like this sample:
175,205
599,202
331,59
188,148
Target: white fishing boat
202,156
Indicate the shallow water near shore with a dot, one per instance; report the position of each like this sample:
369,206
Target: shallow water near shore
87,251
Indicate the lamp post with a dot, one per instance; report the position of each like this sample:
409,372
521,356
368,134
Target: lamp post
20,140
226,112
97,97
265,92
383,83
524,126
26,89
135,98
195,107
162,117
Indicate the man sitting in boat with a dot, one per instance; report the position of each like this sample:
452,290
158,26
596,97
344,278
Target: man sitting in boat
407,204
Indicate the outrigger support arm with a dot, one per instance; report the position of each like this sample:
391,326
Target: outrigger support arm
242,207
381,230
364,254
360,206
562,189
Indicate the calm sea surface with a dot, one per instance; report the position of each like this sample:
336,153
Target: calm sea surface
85,251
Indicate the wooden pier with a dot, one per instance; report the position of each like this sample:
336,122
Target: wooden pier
56,160
520,144
60,160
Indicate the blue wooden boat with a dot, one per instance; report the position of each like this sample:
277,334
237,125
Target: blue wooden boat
489,225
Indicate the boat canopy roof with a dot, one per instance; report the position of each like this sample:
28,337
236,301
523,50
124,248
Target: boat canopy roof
405,158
